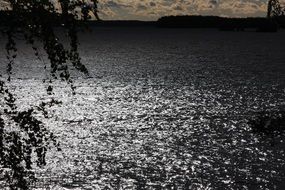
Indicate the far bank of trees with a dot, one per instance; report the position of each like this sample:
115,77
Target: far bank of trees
275,19
222,23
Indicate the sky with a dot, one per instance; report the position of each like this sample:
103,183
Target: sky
153,9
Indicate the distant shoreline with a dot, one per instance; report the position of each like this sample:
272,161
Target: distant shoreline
188,21
123,23
222,23
260,24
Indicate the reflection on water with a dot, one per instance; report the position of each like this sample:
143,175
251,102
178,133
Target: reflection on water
164,108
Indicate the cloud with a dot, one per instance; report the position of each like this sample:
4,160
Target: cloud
153,9
3,5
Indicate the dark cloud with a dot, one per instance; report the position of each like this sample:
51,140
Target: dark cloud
213,2
152,4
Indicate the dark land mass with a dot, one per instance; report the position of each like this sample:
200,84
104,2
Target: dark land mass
223,23
123,23
226,24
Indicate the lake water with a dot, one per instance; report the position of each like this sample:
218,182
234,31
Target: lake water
162,109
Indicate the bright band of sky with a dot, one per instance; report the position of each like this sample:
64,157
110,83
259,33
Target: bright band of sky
153,9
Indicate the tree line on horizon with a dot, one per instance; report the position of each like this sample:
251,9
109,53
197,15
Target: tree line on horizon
223,23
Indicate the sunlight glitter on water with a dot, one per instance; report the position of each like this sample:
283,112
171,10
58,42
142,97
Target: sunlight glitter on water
163,113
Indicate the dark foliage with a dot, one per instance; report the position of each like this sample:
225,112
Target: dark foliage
20,136
23,137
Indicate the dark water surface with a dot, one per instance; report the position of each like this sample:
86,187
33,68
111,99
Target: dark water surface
163,109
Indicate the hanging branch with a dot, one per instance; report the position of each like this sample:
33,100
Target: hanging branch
21,134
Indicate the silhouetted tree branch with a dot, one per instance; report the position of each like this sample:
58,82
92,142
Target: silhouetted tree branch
21,134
